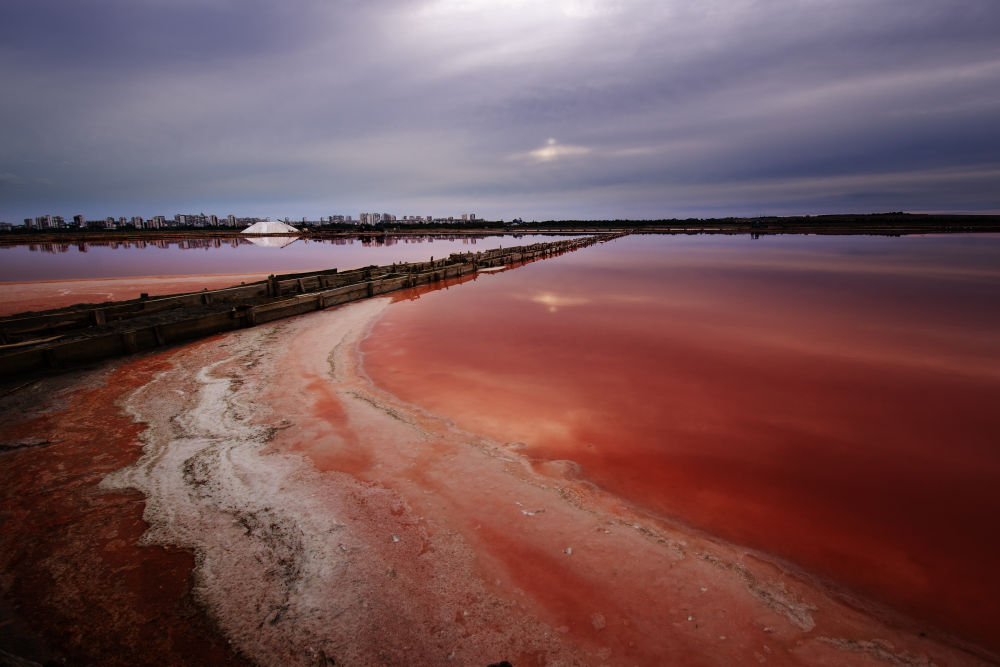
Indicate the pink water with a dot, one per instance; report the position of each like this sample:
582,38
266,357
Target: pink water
828,400
72,261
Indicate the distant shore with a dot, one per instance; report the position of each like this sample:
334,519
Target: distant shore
874,223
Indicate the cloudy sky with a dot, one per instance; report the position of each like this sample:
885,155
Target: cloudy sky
534,108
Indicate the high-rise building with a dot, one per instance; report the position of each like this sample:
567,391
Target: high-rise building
49,222
213,220
199,220
78,221
472,216
465,216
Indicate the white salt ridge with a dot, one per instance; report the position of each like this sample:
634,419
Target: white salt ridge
292,562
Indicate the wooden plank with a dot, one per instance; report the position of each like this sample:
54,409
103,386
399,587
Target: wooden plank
313,290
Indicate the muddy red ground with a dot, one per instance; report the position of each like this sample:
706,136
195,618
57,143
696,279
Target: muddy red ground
74,581
23,297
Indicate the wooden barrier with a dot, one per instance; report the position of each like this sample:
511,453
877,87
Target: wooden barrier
80,334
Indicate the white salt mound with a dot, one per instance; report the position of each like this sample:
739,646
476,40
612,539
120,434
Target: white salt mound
270,227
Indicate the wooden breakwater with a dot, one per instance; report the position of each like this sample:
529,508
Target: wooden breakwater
86,333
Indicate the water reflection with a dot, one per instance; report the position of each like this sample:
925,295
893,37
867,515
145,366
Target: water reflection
829,400
260,241
126,258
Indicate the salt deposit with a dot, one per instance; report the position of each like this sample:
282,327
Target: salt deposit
292,563
333,522
270,227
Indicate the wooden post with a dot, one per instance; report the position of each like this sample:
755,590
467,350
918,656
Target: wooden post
129,343
97,316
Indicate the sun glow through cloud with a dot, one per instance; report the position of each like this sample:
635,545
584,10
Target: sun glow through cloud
552,150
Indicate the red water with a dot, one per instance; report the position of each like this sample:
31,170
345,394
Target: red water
831,401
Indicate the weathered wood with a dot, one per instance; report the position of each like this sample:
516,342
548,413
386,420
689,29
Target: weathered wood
128,342
185,318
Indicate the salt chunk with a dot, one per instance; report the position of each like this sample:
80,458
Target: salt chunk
395,538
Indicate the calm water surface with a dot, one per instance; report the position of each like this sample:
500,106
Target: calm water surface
91,260
830,400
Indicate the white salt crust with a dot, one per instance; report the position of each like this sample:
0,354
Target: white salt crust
294,564
300,567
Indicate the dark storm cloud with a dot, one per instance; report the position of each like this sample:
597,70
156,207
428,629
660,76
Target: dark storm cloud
585,108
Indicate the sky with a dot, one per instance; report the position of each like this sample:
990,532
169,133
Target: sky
540,109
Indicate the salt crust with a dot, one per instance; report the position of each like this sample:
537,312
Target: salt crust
304,567
295,565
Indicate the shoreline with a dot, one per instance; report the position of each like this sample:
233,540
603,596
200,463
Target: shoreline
282,431
891,224
609,557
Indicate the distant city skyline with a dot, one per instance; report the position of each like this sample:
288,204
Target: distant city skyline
43,222
553,109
